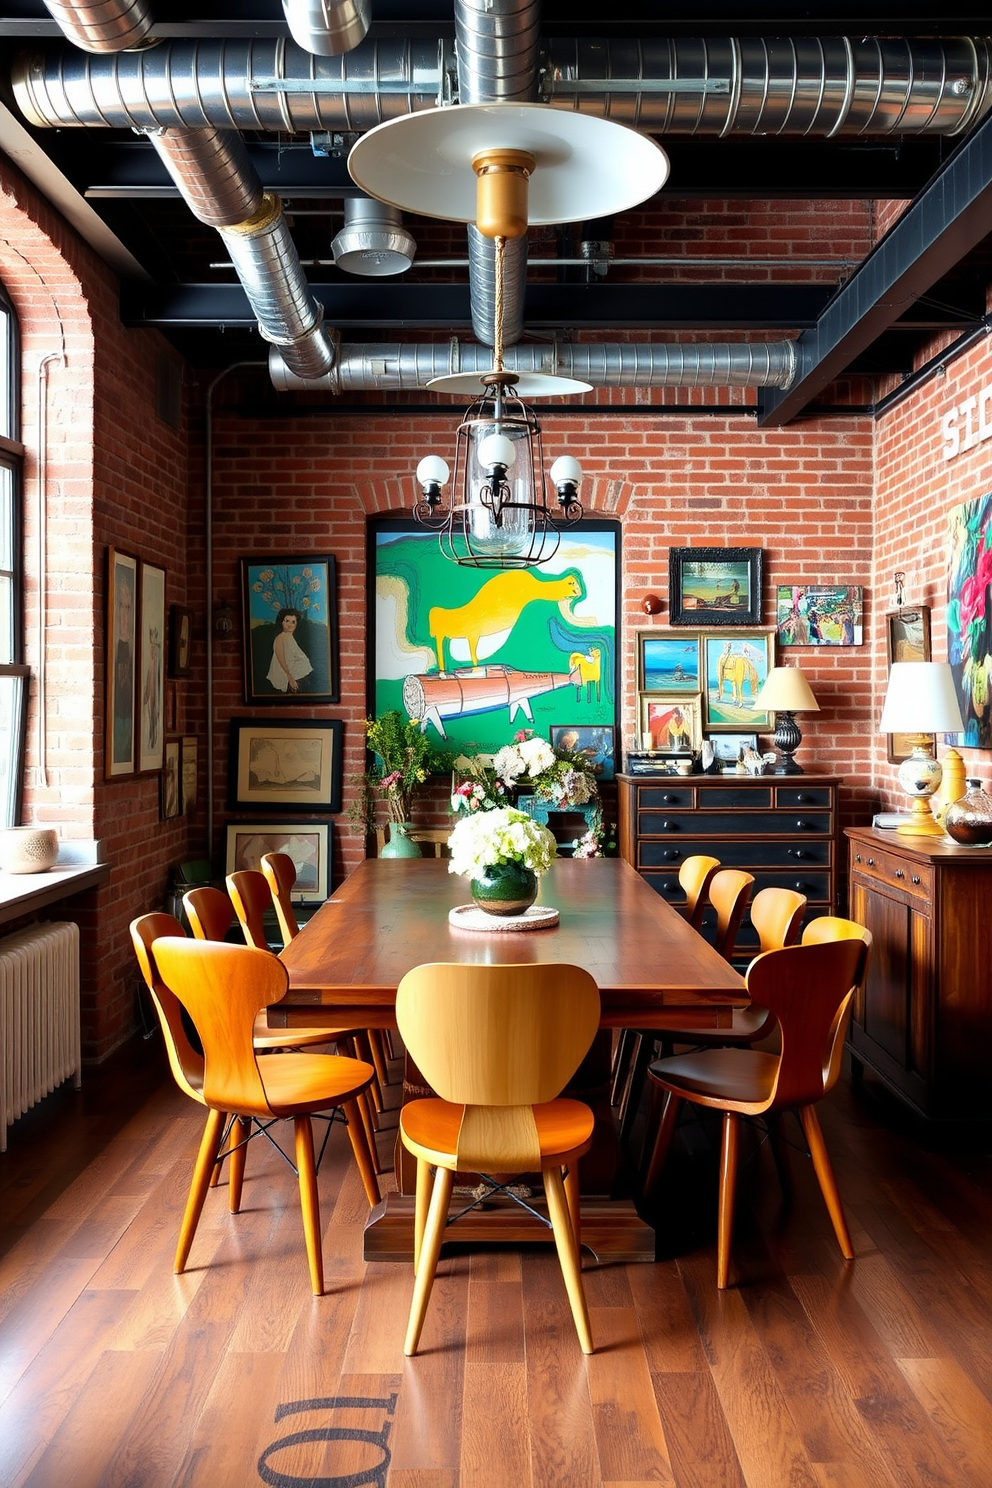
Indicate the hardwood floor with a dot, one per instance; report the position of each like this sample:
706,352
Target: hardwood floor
807,1373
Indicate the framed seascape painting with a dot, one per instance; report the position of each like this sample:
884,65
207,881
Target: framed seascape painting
473,655
292,764
290,610
307,843
667,661
151,668
734,669
969,617
819,614
122,662
714,586
671,724
596,743
907,638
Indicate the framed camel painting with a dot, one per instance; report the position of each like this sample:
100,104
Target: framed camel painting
734,669
474,655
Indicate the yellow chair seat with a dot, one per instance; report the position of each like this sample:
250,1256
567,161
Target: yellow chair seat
430,1130
306,1082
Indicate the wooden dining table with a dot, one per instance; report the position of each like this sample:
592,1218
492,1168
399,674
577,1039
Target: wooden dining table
391,914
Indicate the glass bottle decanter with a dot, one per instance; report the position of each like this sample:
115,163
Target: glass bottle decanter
969,820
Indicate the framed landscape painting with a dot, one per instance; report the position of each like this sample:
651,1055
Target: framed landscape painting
714,586
734,670
287,763
667,661
290,608
307,843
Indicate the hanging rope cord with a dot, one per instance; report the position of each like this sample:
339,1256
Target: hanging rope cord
500,243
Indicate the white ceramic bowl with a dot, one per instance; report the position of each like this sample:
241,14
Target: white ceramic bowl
28,849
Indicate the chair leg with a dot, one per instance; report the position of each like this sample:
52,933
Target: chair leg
437,1216
365,1106
568,1253
309,1203
827,1181
240,1132
423,1204
621,1064
635,1082
728,1185
378,1056
363,1155
218,1165
363,1047
573,1201
662,1142
203,1168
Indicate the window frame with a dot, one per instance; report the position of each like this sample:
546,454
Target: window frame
12,461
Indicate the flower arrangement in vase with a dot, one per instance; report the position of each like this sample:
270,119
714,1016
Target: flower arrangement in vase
558,776
503,852
404,761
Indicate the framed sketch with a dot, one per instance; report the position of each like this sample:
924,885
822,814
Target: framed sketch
171,785
727,747
289,764
667,661
734,670
819,614
13,741
122,662
151,668
189,773
307,843
290,630
670,723
714,586
595,742
907,638
180,632
473,655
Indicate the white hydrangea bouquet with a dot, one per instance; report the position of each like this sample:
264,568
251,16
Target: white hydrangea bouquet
558,776
505,835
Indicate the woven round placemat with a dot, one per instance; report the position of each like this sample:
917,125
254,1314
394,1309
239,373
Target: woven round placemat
471,917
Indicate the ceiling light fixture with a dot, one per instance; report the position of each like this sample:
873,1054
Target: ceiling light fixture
503,166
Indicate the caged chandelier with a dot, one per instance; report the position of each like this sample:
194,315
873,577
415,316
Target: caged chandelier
497,513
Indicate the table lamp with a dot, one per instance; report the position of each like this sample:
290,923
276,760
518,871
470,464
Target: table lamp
785,693
921,700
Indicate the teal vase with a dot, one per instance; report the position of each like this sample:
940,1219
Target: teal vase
505,889
399,844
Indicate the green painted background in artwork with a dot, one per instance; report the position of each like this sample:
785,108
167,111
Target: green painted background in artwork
541,640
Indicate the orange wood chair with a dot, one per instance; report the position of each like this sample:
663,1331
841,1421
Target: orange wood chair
809,989
497,1043
279,872
223,988
729,892
695,876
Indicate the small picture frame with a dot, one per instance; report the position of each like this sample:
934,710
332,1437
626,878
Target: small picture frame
819,614
180,636
596,742
667,661
151,668
307,843
289,764
189,773
735,669
670,723
290,630
122,663
714,586
170,782
727,747
907,638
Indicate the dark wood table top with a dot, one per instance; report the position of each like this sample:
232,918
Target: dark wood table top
391,914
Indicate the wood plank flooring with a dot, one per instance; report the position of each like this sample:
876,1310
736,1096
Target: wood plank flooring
806,1373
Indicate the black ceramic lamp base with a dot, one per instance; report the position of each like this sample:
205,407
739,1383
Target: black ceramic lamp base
787,740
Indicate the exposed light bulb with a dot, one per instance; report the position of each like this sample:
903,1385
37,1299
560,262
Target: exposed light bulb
495,450
432,470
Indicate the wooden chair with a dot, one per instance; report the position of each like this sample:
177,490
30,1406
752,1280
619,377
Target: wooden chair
809,989
185,1061
223,988
279,872
695,877
729,891
497,1043
251,897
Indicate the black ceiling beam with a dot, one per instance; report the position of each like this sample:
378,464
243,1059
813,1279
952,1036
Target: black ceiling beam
949,217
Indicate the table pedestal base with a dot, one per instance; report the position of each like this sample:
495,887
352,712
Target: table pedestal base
611,1228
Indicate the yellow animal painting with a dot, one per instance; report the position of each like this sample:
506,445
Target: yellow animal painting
736,670
587,667
496,608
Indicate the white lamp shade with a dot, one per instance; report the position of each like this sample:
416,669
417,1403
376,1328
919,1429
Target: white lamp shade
921,698
566,468
496,449
786,691
433,468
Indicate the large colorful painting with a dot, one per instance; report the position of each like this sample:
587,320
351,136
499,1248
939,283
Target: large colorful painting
734,670
473,656
969,616
291,636
819,614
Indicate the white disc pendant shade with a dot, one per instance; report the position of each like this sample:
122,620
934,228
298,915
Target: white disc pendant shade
527,385
585,167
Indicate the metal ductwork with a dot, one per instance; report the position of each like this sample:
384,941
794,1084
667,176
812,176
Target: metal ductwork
747,86
108,26
327,27
213,172
373,241
398,366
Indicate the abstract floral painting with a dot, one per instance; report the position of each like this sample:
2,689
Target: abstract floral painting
969,615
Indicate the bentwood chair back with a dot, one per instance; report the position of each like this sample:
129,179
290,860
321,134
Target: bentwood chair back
209,911
224,988
251,897
809,989
834,927
279,871
695,876
777,916
185,1062
729,891
497,1043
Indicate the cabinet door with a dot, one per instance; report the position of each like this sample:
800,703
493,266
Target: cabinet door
893,1017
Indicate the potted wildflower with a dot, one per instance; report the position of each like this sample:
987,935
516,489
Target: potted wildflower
503,852
404,760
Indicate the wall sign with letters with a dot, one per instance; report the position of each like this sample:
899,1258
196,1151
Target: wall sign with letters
967,425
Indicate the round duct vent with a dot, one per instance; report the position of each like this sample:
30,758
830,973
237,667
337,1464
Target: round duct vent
373,241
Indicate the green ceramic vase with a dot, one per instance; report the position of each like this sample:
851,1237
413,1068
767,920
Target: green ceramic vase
505,889
399,844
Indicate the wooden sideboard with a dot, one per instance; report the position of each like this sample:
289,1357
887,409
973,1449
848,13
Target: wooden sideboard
924,1020
781,828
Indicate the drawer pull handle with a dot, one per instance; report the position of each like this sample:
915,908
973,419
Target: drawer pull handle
857,857
871,862
802,800
916,879
673,854
796,852
802,826
670,800
900,873
670,826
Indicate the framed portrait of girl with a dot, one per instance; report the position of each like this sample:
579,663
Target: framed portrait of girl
290,630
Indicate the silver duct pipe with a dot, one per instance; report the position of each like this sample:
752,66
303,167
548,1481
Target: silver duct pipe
373,241
497,44
106,26
824,88
327,27
398,366
213,172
